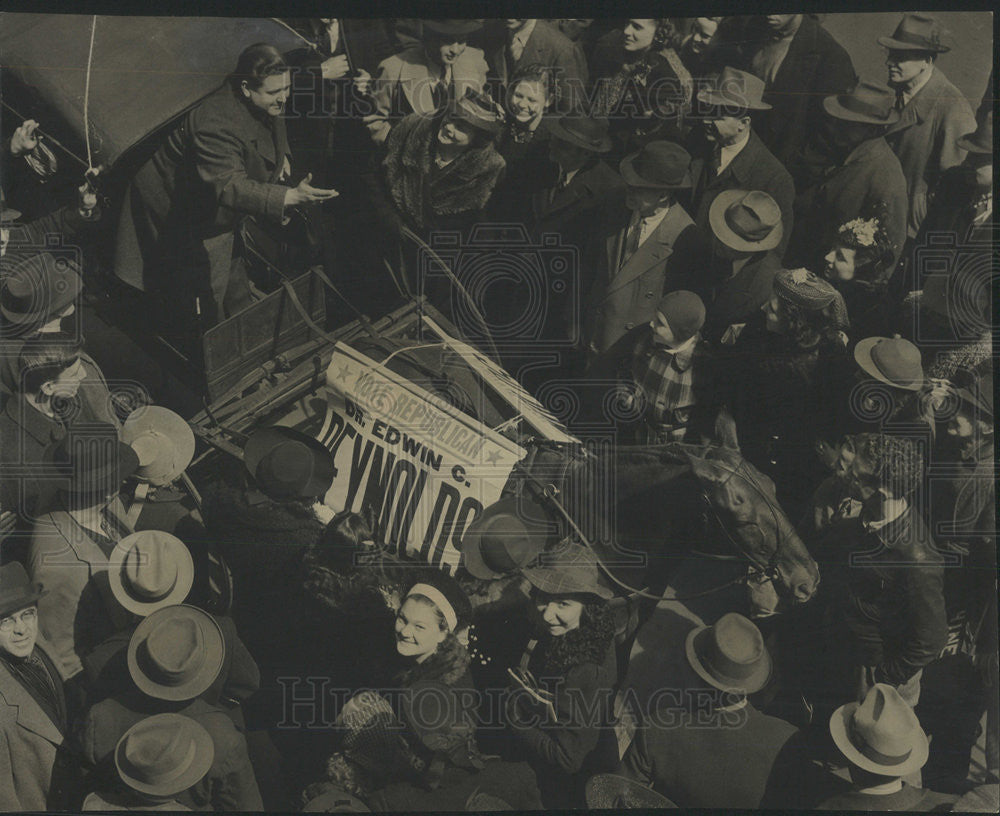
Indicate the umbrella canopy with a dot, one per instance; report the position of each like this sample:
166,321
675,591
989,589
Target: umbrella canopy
144,71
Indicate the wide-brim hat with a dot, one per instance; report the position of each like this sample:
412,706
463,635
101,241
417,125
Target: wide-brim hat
17,591
746,220
730,655
508,535
588,132
981,140
891,360
614,792
150,570
162,440
8,215
451,28
916,32
164,754
479,110
868,103
176,653
286,463
38,287
91,467
735,90
335,801
659,165
569,570
882,717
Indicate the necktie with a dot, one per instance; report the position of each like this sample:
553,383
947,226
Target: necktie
631,240
716,162
558,187
442,90
515,50
900,100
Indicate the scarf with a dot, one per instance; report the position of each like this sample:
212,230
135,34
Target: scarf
423,192
36,677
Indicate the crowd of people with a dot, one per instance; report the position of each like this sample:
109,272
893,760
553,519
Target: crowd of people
756,262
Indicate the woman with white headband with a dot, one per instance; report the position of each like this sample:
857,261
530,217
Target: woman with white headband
432,762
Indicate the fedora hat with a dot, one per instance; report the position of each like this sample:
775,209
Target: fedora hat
16,590
164,755
659,165
730,655
506,537
162,440
176,653
613,792
881,735
868,102
335,801
450,28
96,462
891,360
286,463
149,570
588,132
569,570
980,141
8,215
735,90
917,31
39,287
479,110
746,220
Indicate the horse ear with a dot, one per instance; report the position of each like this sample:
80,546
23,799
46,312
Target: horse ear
725,430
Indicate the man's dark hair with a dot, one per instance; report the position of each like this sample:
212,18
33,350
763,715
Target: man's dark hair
257,63
896,462
43,360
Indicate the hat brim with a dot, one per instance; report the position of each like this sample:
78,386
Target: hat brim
863,357
553,582
969,146
60,299
717,100
181,588
266,439
604,792
748,685
9,215
125,466
902,45
722,230
215,647
204,755
840,724
154,419
556,129
633,179
123,802
832,106
472,540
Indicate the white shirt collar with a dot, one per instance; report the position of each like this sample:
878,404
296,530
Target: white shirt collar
910,92
884,790
730,152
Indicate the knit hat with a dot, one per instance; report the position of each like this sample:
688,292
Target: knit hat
802,288
684,312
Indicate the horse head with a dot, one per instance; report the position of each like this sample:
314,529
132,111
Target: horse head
745,502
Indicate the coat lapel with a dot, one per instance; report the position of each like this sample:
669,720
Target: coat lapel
654,249
28,714
919,106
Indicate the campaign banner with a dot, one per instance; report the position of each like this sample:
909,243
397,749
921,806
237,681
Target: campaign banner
425,468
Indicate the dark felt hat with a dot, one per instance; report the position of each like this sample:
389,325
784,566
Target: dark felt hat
507,536
869,103
479,110
684,312
980,141
39,287
286,463
917,31
735,90
16,589
96,462
659,165
450,28
588,132
569,570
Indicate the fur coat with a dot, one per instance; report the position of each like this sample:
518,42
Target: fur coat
424,194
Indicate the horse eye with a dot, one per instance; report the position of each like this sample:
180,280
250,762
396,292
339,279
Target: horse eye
739,498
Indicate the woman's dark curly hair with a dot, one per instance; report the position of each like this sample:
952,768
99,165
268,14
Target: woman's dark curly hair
588,643
667,35
895,461
811,329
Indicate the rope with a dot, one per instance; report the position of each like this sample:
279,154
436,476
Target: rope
306,40
86,93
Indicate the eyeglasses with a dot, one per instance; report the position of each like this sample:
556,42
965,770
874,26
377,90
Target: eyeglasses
27,616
